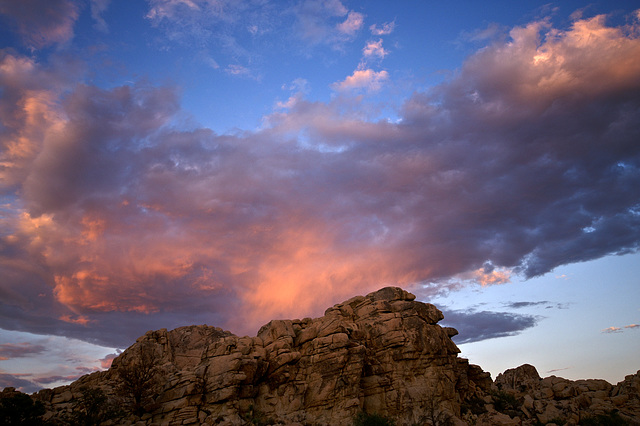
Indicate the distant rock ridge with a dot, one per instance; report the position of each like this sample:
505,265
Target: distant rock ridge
382,353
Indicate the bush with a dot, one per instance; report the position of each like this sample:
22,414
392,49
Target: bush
505,402
92,408
612,418
256,418
364,419
474,405
21,409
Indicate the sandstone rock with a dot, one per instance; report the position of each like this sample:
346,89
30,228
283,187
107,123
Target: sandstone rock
380,353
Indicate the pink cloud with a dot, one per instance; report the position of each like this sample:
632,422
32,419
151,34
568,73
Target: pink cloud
105,362
352,24
612,330
82,320
366,79
374,49
386,28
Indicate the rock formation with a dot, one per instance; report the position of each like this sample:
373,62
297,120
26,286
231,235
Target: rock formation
383,353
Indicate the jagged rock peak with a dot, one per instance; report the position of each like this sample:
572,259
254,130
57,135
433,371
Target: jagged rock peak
381,353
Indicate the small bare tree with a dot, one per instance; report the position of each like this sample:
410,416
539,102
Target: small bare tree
434,414
138,377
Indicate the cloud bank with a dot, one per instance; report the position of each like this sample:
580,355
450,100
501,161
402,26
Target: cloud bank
117,220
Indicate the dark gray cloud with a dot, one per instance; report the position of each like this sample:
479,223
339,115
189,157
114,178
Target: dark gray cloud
55,379
475,326
16,381
519,305
41,23
543,304
18,350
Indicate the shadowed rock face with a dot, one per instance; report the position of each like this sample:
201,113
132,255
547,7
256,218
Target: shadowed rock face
381,353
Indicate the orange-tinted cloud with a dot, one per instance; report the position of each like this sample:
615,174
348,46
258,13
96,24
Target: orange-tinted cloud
118,221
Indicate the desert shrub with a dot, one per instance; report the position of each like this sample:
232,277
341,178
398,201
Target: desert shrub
504,402
255,417
21,409
365,419
92,408
612,418
473,405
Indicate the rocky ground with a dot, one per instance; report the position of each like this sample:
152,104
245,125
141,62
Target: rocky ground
383,354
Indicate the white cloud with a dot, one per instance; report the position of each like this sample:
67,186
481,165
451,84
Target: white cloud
168,8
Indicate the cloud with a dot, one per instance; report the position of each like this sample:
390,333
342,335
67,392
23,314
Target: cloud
116,220
519,305
483,325
315,22
107,360
54,379
16,381
169,9
614,329
374,49
386,28
555,370
352,24
18,350
41,23
98,7
216,29
362,79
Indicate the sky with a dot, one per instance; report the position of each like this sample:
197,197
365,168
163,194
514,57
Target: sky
174,162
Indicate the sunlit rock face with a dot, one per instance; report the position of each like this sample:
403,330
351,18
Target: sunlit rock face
383,353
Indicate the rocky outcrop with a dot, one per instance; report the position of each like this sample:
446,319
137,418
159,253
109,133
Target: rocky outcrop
382,353
534,400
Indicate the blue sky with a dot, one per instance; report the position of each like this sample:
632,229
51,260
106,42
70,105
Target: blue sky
174,162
